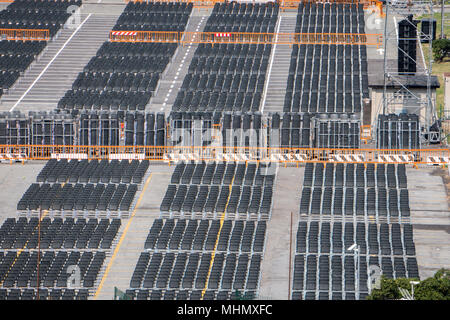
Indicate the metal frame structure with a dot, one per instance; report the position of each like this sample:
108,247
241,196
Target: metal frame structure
219,153
25,34
246,38
399,10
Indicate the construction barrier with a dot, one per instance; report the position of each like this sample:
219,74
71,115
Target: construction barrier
211,153
293,4
196,3
25,34
247,38
13,157
145,36
284,4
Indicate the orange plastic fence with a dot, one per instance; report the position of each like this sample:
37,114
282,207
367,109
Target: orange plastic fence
245,38
284,4
25,34
294,3
196,3
280,155
145,36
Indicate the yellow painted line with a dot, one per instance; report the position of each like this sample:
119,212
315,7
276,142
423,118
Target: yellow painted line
105,275
45,212
222,218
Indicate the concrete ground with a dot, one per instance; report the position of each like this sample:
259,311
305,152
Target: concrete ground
430,216
15,179
274,283
134,232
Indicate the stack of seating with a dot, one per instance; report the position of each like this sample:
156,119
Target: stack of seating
209,240
238,129
327,78
398,131
224,77
88,128
17,56
37,14
369,206
238,189
178,257
183,275
350,189
197,234
243,17
39,128
337,131
229,77
154,16
64,243
290,130
85,186
58,233
322,252
124,76
103,128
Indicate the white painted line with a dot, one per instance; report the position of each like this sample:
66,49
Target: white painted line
171,86
177,73
48,65
170,90
165,100
176,77
266,85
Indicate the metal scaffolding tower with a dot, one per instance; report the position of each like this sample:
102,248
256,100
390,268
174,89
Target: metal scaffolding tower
403,99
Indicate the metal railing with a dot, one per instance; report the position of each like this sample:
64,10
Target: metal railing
246,38
25,34
284,4
219,153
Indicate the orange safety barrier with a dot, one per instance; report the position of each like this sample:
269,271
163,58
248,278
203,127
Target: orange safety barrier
287,4
25,34
366,133
247,38
196,3
145,36
279,155
282,3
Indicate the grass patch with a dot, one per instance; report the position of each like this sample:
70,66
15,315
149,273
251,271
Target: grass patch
438,68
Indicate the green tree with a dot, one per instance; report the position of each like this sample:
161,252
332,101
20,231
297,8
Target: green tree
433,288
441,48
389,289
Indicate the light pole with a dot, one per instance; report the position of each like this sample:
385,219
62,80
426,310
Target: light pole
413,283
356,251
442,20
